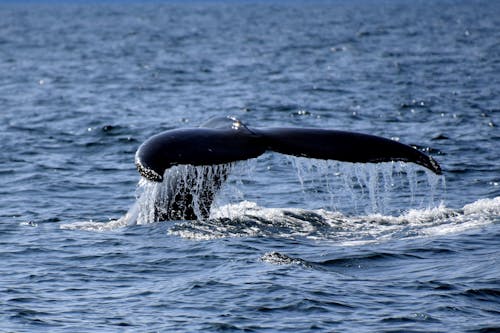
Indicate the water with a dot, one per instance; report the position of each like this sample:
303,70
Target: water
293,244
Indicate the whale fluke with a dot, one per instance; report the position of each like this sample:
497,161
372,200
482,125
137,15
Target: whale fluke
229,141
225,140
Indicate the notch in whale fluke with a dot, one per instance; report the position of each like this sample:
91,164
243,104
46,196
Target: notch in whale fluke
225,140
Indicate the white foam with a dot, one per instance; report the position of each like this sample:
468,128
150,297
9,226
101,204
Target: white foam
482,206
247,219
94,226
130,218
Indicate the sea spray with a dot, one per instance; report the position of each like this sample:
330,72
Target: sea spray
325,186
186,190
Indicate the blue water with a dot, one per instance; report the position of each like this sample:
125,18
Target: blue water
293,244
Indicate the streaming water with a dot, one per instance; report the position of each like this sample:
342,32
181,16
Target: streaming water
371,188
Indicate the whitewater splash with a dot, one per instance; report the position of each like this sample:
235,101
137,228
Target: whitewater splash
250,220
247,219
154,200
185,191
370,189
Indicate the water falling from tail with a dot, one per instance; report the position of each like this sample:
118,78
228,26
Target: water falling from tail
186,194
367,188
222,192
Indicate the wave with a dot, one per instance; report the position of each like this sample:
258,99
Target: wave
247,219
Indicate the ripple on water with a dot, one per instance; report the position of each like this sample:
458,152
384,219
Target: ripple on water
292,245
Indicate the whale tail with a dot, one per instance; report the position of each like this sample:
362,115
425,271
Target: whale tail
225,144
225,140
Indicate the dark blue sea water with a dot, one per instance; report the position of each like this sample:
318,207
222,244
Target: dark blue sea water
293,245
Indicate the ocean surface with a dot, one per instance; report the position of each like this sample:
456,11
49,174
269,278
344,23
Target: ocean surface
292,244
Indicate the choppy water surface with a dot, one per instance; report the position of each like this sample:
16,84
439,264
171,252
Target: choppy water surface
292,244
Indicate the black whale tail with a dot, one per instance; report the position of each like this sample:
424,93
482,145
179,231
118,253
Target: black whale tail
227,140
343,146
